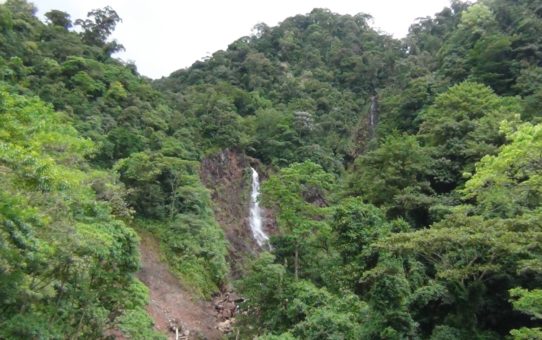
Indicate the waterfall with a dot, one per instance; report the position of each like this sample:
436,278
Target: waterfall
256,212
373,116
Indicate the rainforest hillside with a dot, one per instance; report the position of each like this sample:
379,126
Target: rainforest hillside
404,176
87,154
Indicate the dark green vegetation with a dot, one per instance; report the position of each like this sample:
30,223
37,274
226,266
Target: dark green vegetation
86,151
406,184
406,175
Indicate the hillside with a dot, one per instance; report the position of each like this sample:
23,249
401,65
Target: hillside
401,179
87,153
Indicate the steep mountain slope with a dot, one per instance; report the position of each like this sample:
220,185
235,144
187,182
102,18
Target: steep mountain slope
403,177
292,92
94,153
383,155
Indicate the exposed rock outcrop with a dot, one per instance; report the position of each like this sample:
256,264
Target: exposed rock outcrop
227,175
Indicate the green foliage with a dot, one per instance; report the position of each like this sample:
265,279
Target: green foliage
283,336
97,28
356,226
298,195
442,160
509,184
476,260
298,192
400,107
388,296
265,290
297,307
526,333
64,257
168,190
162,186
412,131
462,126
275,140
59,18
197,250
477,50
135,322
395,176
215,114
69,260
322,64
529,302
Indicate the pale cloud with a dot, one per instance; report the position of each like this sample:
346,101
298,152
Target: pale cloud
162,36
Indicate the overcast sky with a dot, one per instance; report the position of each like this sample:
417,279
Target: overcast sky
161,36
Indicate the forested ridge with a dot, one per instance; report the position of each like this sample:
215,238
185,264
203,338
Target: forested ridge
405,176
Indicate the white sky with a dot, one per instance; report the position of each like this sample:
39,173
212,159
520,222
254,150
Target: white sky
162,36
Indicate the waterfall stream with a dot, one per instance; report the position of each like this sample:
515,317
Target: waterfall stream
256,212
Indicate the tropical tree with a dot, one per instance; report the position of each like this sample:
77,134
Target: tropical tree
298,194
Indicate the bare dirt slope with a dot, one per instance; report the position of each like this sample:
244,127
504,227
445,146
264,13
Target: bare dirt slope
168,299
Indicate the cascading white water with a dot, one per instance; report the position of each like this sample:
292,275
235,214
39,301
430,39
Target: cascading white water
256,212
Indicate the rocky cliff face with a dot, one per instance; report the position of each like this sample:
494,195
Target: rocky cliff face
227,175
